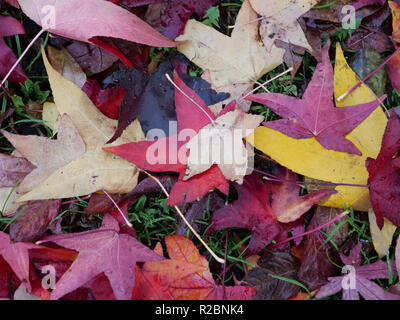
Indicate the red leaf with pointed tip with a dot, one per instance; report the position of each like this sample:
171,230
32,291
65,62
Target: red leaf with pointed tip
261,206
103,250
362,285
384,175
95,18
9,27
315,115
17,256
185,276
108,101
189,116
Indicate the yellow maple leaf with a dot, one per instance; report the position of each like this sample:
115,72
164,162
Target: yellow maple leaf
309,158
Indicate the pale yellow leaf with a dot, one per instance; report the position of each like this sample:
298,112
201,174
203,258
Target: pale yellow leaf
46,154
280,21
232,61
64,63
221,143
51,116
381,238
96,169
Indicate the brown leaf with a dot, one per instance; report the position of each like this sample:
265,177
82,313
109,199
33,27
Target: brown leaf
13,169
315,266
34,221
270,288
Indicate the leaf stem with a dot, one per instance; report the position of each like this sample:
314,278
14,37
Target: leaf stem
368,76
21,56
119,209
272,177
313,230
266,82
222,261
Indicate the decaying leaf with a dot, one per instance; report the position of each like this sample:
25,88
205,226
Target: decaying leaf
269,287
64,64
239,60
280,21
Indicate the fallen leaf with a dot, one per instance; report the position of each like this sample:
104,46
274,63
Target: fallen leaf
9,27
280,21
106,251
97,18
236,61
34,220
220,142
271,202
315,115
13,169
51,116
381,238
268,287
142,91
22,294
170,153
316,267
95,169
46,154
64,64
384,176
184,276
358,282
108,101
175,14
309,158
91,58
16,255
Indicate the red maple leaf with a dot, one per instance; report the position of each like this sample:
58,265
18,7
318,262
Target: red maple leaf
9,27
384,175
185,276
108,101
103,250
17,256
261,206
315,115
189,116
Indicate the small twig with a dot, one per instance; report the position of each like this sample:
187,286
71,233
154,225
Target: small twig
368,76
222,261
22,55
119,209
